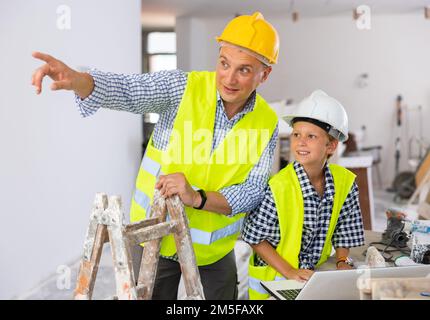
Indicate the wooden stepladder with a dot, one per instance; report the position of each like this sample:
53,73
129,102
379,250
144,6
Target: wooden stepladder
106,225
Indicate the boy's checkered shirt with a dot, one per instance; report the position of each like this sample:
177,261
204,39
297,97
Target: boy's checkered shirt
263,224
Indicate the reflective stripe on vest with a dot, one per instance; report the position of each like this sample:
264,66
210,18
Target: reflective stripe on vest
143,200
203,237
151,166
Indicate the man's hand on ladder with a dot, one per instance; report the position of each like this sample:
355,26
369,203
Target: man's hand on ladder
176,183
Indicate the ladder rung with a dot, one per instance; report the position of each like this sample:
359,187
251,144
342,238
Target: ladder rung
141,224
138,225
151,233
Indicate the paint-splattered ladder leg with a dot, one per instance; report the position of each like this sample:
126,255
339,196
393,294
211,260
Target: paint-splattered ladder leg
124,276
150,256
184,248
95,238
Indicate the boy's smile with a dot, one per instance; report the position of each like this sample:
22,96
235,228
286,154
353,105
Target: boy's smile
302,153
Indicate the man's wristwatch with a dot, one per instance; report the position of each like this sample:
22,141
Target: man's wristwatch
346,260
204,198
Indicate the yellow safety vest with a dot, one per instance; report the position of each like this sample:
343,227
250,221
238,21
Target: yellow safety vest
288,197
189,151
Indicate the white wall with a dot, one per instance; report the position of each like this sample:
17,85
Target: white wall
330,53
53,161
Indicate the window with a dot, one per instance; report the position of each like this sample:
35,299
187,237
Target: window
161,51
159,54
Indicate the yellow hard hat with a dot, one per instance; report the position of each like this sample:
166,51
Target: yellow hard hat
253,33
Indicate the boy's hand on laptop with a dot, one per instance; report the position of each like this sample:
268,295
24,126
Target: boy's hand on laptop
301,275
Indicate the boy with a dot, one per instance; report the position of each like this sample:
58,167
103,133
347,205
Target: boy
309,205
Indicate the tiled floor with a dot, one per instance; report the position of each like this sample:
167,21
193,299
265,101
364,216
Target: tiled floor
55,287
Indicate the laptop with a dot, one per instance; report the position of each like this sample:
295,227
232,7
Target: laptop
337,284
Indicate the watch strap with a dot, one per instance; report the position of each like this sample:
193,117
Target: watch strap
204,198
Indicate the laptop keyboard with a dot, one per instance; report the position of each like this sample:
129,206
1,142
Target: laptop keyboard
289,294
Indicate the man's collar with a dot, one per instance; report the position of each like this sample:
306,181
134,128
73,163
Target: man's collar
249,105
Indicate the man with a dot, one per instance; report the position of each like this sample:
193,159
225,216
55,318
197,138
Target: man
193,151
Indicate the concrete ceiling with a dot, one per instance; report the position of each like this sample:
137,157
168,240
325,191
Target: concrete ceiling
162,13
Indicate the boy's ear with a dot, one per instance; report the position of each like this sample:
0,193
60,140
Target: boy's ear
332,145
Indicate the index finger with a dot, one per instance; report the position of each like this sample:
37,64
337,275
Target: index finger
42,56
159,181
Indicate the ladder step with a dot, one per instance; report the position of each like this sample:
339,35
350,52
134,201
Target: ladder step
138,225
151,233
141,224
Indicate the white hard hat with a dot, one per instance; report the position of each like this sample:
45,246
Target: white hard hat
323,108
